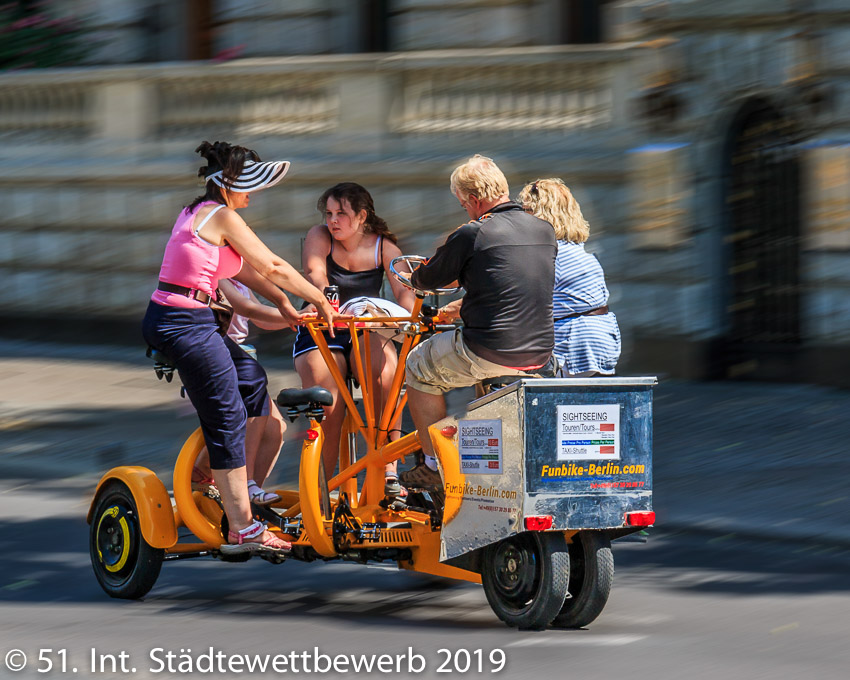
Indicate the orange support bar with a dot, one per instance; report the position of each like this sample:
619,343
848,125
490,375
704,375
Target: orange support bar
374,426
369,428
315,330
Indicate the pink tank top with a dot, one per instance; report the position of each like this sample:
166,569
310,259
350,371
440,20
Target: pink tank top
192,262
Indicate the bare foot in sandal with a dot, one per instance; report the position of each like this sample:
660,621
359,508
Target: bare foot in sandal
255,538
206,485
260,497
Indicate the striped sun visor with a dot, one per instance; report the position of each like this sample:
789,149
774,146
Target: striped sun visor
255,176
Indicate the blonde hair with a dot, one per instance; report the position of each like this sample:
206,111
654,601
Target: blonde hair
479,177
552,200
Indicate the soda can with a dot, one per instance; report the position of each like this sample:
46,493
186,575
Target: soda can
332,294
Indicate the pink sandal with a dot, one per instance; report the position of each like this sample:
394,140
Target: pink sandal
241,541
206,485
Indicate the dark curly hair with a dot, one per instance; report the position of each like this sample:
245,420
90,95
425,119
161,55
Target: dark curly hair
359,199
221,156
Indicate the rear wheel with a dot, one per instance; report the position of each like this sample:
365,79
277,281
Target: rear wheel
125,565
591,576
525,578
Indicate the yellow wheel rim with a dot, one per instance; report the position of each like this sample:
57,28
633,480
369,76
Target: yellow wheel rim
112,513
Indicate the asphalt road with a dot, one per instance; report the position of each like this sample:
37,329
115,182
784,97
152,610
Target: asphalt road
703,603
696,605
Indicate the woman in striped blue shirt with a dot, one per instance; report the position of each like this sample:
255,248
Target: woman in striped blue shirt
587,337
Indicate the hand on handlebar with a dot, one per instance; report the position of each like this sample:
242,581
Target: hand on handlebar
330,315
290,315
449,312
309,312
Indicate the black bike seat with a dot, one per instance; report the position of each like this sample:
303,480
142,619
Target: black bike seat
549,370
310,395
158,357
500,381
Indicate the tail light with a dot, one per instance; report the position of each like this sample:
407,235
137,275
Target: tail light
640,519
312,434
539,522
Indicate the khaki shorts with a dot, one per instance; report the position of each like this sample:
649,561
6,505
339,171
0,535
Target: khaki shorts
443,362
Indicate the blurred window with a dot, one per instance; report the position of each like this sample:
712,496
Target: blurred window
176,31
199,29
581,21
374,21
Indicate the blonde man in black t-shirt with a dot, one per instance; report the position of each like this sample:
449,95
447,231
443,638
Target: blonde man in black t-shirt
505,259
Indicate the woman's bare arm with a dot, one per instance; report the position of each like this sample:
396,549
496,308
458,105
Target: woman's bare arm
230,228
264,316
314,256
403,295
251,278
284,309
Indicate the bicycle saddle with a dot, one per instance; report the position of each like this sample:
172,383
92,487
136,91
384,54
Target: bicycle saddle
162,365
310,395
158,357
549,370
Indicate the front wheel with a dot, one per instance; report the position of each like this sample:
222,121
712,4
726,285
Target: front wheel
125,565
525,578
591,576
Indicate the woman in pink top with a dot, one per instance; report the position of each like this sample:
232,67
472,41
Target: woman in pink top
209,242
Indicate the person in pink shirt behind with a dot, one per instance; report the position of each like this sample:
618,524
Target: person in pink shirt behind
210,242
259,463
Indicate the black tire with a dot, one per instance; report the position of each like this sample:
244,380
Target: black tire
124,564
525,578
591,576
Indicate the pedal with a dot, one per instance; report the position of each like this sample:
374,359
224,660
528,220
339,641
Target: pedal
233,559
392,488
272,558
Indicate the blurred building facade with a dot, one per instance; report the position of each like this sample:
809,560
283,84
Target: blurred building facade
706,140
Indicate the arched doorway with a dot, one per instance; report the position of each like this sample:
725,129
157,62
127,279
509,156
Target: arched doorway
762,244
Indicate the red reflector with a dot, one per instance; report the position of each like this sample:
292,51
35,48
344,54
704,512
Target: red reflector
640,519
539,522
312,434
449,431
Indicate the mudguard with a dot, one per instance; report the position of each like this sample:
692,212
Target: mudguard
156,517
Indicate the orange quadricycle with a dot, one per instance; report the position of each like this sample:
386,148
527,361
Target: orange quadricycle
539,474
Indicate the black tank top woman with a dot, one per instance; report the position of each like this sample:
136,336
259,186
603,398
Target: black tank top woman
351,285
356,284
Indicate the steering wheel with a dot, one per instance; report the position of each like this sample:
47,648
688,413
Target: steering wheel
410,261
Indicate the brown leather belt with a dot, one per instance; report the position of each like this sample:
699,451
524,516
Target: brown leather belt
193,293
593,312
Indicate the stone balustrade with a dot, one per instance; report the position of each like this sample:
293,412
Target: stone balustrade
96,162
529,90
